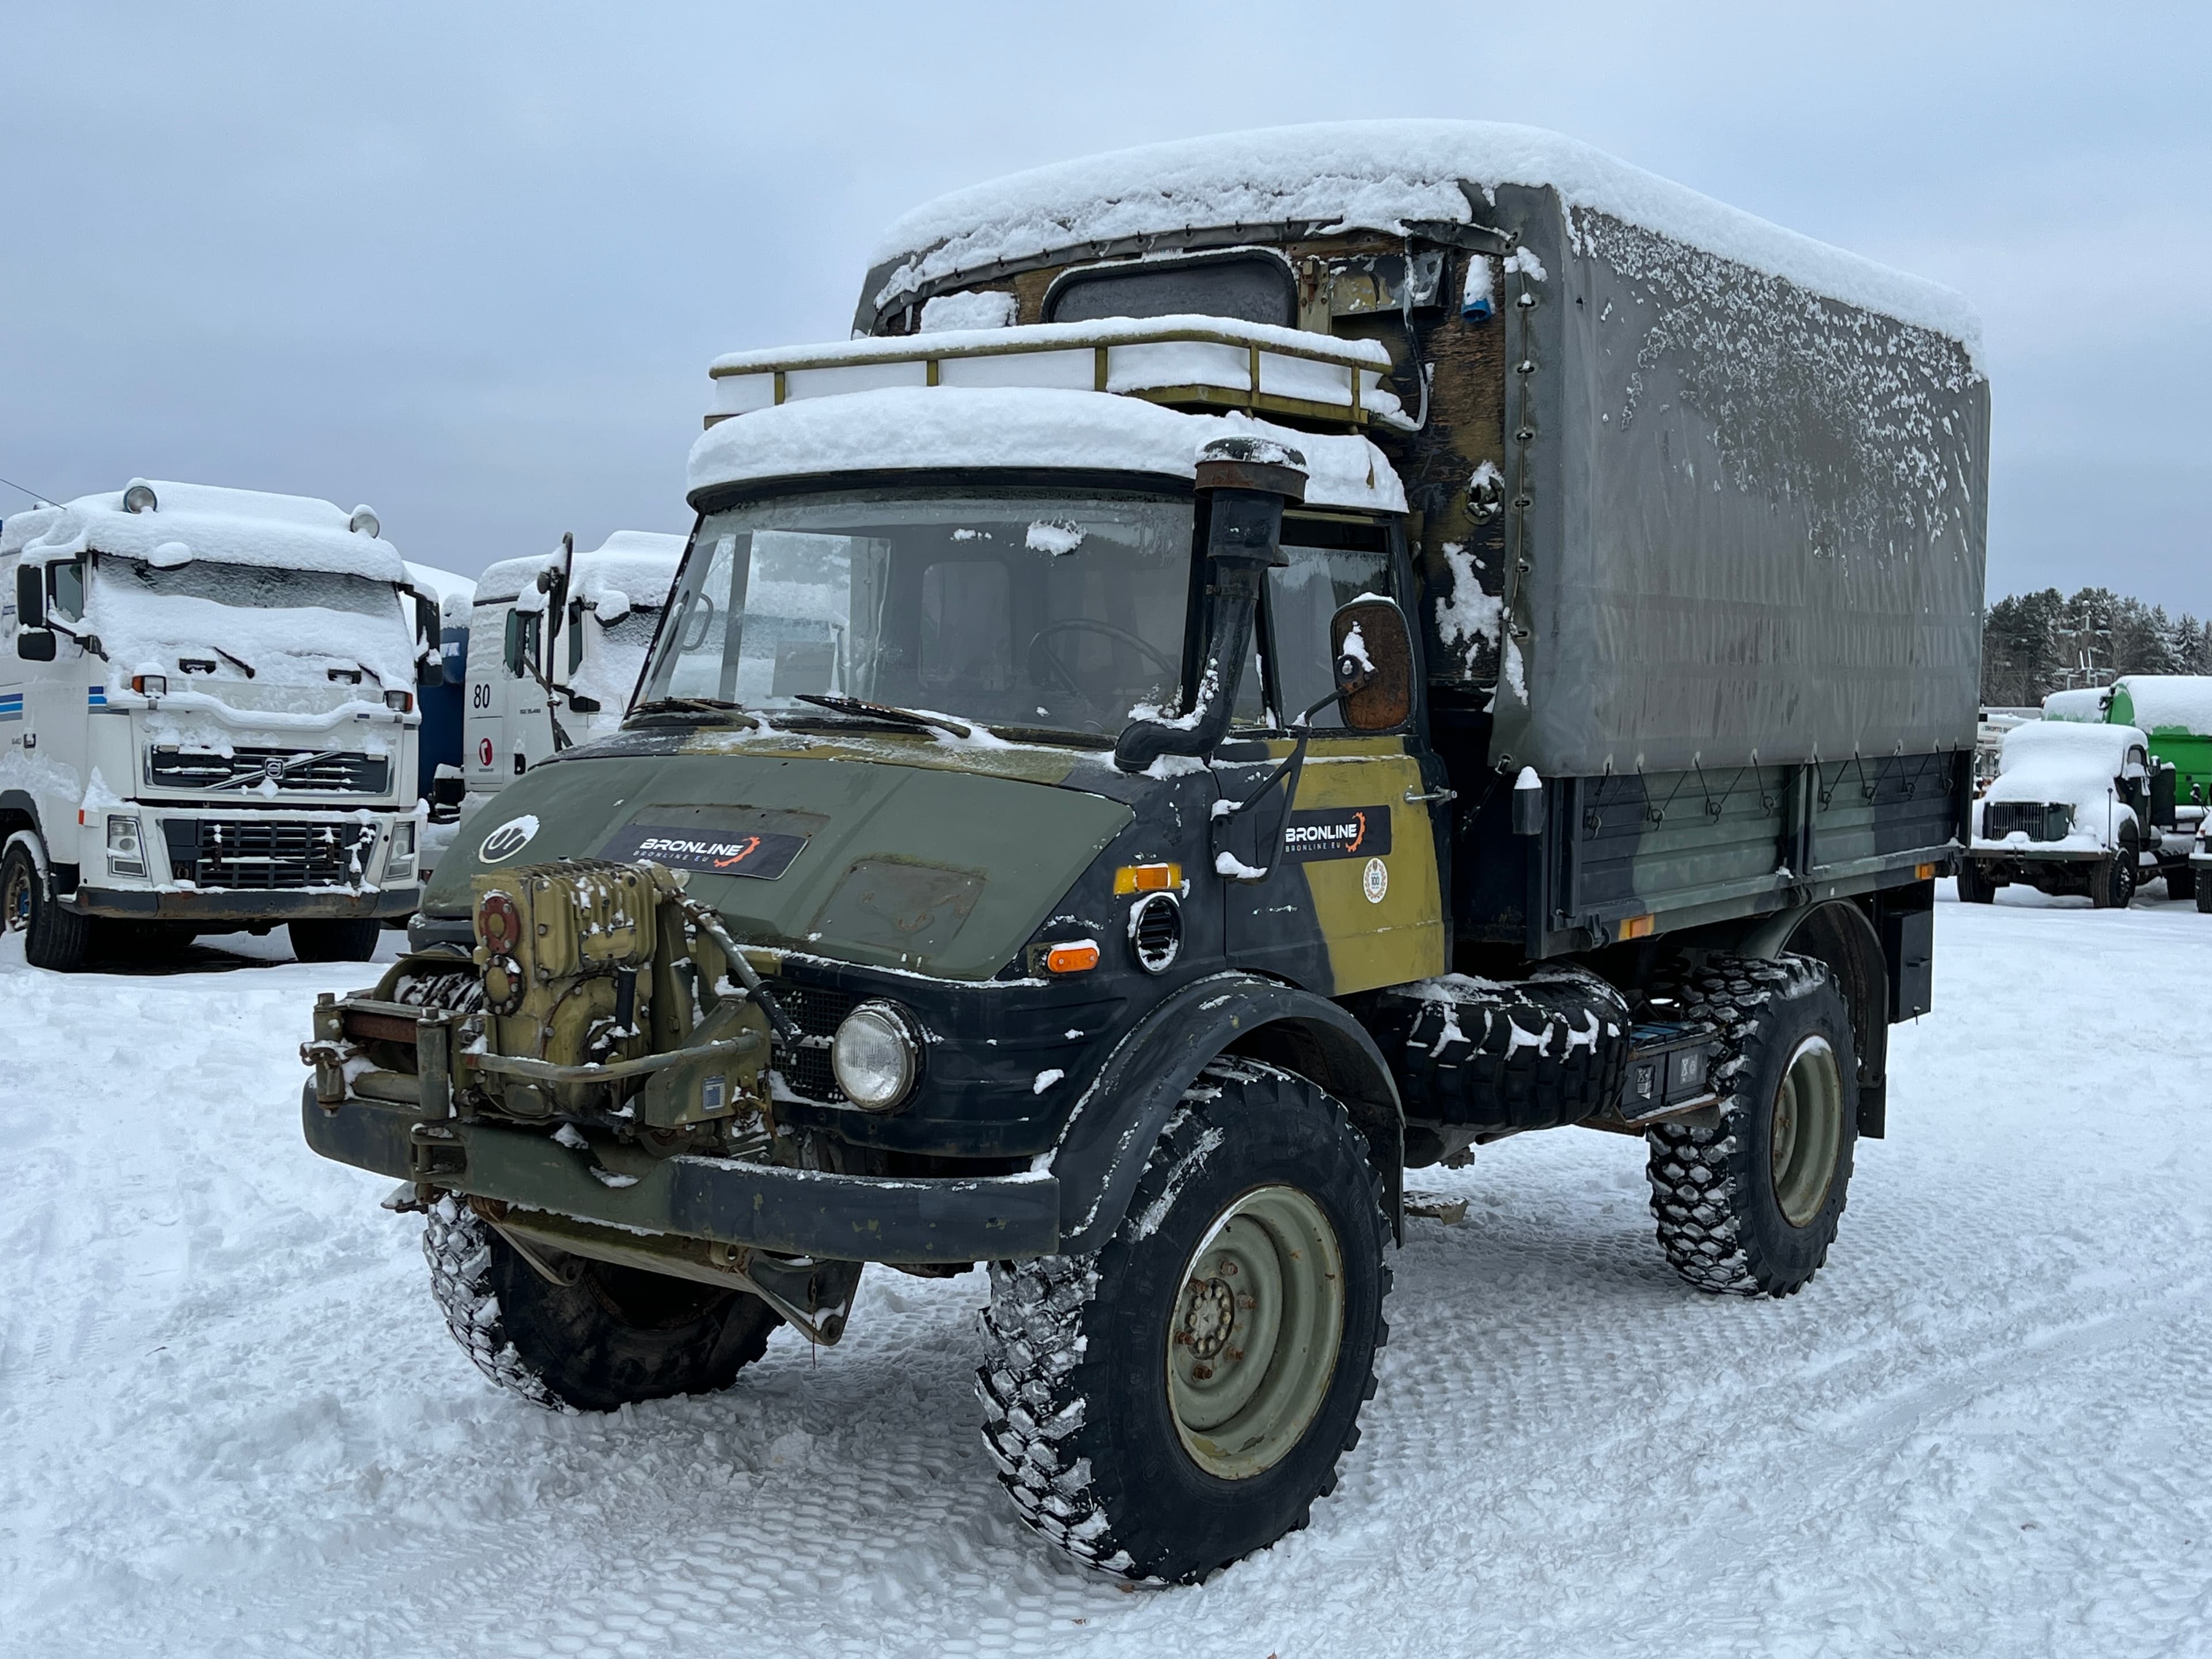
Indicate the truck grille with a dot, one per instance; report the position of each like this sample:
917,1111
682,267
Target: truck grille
338,771
260,855
817,1012
2038,820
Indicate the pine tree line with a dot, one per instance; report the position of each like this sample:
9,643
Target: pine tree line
2034,644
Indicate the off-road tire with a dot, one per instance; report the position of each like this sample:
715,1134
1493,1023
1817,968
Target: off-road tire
52,938
617,1336
2180,881
1074,1379
343,938
1974,887
1713,1195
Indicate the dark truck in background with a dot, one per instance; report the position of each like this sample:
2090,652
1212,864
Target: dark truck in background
1201,710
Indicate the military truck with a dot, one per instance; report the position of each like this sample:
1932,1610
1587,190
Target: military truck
540,678
1272,662
208,702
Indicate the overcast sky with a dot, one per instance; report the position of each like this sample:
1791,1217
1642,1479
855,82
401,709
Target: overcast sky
468,263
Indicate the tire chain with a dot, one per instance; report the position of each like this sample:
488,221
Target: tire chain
456,1243
1027,1383
1691,1167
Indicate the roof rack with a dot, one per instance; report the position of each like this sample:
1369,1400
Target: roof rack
1188,362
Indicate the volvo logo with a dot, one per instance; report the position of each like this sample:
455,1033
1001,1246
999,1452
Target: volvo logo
273,770
507,840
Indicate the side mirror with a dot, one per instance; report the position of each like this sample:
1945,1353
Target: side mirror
430,665
31,601
35,644
1374,658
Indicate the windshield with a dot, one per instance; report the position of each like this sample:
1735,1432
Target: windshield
207,619
1061,611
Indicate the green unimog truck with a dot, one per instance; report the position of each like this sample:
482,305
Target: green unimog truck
1268,663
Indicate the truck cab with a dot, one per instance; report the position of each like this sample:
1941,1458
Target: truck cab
208,704
554,643
2074,809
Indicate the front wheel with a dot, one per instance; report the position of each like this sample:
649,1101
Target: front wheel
1974,886
52,936
2112,883
609,1337
1181,1398
1749,1205
346,939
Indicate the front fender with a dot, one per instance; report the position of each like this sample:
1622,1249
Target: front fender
1107,1137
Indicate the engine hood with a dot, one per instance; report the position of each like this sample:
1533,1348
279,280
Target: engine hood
904,863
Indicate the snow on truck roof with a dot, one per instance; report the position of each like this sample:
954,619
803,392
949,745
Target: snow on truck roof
205,521
639,564
2170,703
1368,175
899,428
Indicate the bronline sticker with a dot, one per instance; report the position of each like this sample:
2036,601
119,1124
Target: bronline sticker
1375,880
508,839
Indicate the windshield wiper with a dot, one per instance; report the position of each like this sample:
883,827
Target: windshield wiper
239,663
690,706
883,711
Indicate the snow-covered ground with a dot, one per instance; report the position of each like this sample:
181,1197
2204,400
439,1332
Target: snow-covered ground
231,1422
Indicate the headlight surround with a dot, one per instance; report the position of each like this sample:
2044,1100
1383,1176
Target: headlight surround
126,852
875,1055
401,859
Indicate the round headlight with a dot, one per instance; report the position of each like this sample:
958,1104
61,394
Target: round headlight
874,1055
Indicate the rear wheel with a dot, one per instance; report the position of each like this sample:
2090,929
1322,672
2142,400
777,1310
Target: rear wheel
1181,1398
2204,897
613,1336
1974,887
52,936
346,939
2180,881
1749,1204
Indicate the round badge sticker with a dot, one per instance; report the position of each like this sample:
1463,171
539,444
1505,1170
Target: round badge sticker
508,839
1375,880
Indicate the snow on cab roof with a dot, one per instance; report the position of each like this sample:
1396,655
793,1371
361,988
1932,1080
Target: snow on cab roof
639,564
205,521
2179,703
912,428
1368,175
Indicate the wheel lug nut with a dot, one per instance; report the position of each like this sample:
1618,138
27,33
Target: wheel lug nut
1203,1373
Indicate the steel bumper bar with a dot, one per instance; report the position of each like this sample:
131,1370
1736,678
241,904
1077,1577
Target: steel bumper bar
792,1212
234,904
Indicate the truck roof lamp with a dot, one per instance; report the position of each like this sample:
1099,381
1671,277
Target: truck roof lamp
364,523
139,497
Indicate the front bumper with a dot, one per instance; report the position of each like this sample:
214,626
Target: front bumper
792,1211
223,904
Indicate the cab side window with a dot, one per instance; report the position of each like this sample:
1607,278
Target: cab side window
523,628
1332,562
66,590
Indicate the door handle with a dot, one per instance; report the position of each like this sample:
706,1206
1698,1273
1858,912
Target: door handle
1413,799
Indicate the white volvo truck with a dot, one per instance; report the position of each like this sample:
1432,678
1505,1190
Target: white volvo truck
554,644
208,723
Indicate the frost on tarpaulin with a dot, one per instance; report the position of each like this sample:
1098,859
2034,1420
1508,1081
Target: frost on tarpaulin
1834,407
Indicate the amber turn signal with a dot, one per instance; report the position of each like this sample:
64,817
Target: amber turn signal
1147,879
1079,956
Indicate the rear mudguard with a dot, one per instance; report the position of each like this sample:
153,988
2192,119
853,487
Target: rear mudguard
1110,1133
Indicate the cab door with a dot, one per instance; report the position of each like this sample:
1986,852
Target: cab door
1340,891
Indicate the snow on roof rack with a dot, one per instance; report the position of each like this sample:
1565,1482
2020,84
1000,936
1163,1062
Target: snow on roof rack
1182,362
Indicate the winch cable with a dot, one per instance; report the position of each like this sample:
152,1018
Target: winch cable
711,925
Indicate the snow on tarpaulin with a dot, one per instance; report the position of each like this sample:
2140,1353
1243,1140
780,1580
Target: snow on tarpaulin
914,428
2071,765
2162,703
205,521
1369,175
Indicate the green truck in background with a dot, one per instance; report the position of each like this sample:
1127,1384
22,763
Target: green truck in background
1267,662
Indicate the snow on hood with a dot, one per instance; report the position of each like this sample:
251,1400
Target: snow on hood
2071,764
205,521
638,564
2165,703
913,428
1368,175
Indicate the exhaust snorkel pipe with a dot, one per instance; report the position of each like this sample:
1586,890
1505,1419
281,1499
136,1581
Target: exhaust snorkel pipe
1248,481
